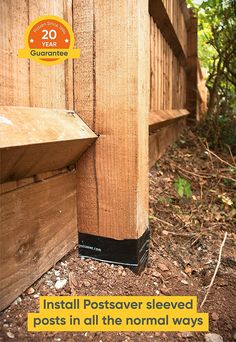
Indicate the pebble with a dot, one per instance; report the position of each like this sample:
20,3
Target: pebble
188,269
60,284
163,267
30,291
165,291
57,273
49,282
86,283
123,273
184,282
186,334
156,274
215,316
213,338
17,301
10,334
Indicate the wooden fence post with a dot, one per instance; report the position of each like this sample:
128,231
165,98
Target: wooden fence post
192,93
112,96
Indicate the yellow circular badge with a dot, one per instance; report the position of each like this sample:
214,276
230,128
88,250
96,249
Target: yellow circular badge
49,40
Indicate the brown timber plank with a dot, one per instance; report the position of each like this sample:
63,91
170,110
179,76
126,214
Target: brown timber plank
14,71
51,87
38,227
115,60
35,140
13,185
159,141
159,13
162,118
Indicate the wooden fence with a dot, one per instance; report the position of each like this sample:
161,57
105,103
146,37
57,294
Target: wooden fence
137,74
173,36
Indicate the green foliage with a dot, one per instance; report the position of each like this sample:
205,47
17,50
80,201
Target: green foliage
219,133
216,49
183,187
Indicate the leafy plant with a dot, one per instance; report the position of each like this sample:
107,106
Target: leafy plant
183,187
216,50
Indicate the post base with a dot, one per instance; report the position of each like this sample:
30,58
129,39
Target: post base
131,253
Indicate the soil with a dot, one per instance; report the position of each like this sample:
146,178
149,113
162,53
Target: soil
186,237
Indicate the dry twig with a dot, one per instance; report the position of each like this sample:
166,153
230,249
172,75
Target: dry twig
181,234
206,146
216,270
231,155
206,176
222,160
165,222
193,173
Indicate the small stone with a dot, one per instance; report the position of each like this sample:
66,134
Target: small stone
157,292
165,291
17,301
188,269
215,316
57,273
86,283
213,338
30,291
165,232
60,284
10,334
36,295
156,274
123,273
186,334
184,282
222,282
163,267
49,282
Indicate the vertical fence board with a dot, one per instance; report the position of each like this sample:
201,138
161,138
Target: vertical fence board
170,54
14,71
49,87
